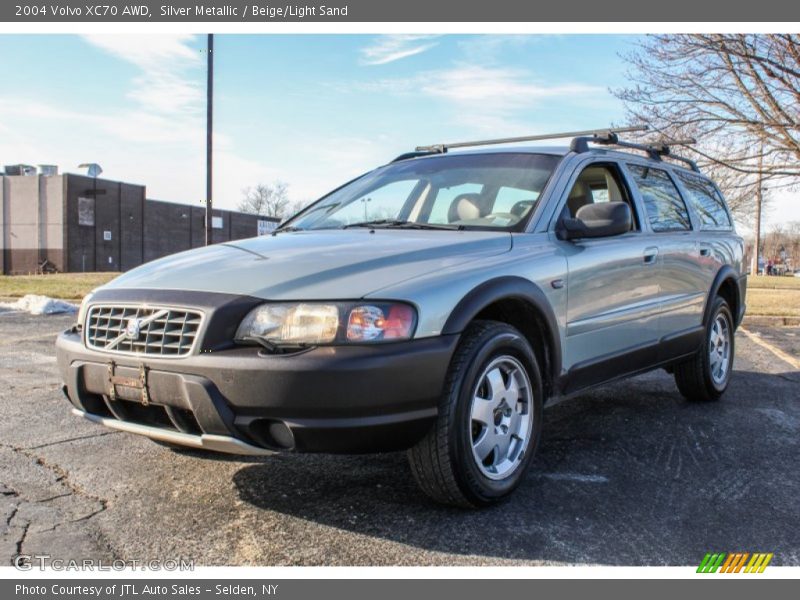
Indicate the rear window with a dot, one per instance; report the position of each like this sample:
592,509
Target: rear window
666,210
706,201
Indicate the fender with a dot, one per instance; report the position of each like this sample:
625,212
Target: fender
725,273
505,288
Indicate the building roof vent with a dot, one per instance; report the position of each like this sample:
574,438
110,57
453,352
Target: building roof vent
48,170
20,169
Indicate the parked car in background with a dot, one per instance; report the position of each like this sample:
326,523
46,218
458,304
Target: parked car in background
432,305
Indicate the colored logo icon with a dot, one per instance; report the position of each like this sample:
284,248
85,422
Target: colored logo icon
735,562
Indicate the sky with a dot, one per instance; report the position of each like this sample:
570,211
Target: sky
311,110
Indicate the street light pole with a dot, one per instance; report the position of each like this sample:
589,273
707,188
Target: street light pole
209,137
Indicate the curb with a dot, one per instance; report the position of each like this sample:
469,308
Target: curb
766,321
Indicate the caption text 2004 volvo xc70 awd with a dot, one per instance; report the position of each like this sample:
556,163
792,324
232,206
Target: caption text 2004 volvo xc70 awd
433,304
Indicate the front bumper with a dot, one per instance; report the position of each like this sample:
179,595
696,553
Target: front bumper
343,399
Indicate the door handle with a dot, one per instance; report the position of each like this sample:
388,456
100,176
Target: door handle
650,256
705,251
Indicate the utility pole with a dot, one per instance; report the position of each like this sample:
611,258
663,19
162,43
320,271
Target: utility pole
759,199
209,137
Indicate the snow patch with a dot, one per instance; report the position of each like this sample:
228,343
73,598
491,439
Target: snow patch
40,305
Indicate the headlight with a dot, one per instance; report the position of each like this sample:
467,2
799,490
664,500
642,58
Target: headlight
380,322
291,324
83,308
314,324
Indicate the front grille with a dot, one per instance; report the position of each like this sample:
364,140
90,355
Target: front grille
155,331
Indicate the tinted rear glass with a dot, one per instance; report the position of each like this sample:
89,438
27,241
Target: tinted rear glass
706,201
666,210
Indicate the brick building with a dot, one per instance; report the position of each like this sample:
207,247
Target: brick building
74,223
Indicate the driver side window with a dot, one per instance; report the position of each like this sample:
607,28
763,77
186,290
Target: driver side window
596,184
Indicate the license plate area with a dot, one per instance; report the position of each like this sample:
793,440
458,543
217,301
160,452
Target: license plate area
126,387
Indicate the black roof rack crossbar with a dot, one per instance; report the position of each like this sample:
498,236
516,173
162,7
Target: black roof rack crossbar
607,131
655,150
665,149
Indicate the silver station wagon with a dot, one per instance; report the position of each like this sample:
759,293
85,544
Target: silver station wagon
433,305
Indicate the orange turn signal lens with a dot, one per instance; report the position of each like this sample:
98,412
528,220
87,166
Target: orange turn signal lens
375,322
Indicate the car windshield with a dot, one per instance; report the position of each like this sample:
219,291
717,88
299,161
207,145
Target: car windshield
479,191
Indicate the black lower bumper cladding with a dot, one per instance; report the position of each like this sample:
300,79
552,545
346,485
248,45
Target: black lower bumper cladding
343,399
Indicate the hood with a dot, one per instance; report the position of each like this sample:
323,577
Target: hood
315,265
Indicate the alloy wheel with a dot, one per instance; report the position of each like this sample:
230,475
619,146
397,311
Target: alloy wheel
501,418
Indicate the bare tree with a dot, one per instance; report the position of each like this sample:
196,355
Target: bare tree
267,200
737,94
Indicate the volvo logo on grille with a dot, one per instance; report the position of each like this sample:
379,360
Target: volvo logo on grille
132,328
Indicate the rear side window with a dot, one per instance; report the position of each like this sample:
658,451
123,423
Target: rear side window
666,210
706,201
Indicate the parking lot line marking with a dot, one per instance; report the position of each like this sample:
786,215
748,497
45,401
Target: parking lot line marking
784,356
577,477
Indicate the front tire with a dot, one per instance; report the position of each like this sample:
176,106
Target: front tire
705,376
489,420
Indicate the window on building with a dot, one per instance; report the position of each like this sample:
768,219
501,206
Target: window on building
86,211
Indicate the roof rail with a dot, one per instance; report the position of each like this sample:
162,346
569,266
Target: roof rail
656,150
608,131
407,155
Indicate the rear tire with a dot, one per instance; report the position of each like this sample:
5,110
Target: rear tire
705,376
489,421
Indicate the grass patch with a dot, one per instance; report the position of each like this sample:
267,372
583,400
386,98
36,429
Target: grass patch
773,302
773,296
773,283
65,286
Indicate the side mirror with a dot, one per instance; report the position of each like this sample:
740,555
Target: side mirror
602,219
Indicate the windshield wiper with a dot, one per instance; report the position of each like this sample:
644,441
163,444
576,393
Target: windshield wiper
416,225
401,224
286,228
375,223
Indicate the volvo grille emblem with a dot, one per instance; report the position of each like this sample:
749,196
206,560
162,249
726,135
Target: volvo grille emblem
133,328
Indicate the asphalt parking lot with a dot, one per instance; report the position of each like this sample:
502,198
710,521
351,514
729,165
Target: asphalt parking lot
629,474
